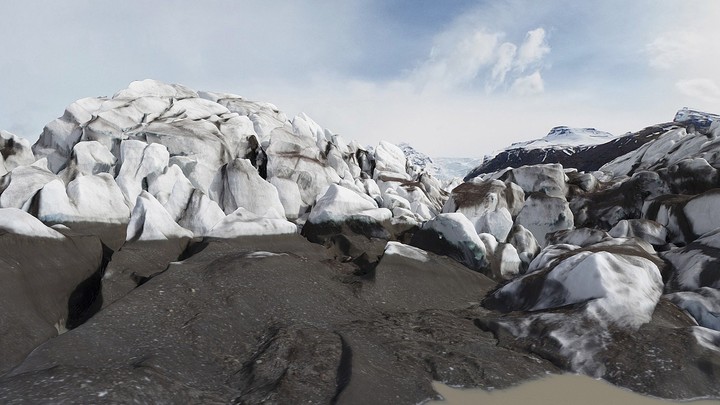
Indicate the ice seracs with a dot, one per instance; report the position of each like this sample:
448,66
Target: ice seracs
338,204
150,221
202,156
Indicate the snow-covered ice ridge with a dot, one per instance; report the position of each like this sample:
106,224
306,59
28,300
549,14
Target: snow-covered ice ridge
173,162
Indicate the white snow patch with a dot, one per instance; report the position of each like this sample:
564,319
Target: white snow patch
411,252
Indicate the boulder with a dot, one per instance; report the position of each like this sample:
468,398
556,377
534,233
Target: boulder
702,304
647,230
14,151
621,285
238,185
338,204
389,158
525,244
696,265
150,221
453,235
546,178
543,214
245,223
21,184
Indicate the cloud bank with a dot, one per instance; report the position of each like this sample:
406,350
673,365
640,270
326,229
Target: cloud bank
454,79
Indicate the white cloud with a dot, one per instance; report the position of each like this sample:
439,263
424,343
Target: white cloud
703,89
528,85
465,53
456,62
676,49
505,56
533,49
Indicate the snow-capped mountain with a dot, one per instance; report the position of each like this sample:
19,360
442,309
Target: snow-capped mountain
566,136
585,149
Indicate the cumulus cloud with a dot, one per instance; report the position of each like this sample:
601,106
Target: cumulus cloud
533,49
464,54
702,88
528,85
505,57
452,63
675,49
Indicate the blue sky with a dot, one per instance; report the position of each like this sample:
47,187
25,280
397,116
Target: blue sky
453,78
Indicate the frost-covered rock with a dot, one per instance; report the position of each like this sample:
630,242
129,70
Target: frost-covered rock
452,234
685,217
21,184
139,160
297,158
238,184
524,242
389,158
620,286
201,214
90,158
579,237
150,87
19,222
548,178
150,221
695,265
410,252
647,230
621,200
702,304
543,214
339,204
245,223
14,151
290,197
95,198
505,263
691,176
487,205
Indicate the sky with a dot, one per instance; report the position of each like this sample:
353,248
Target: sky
454,78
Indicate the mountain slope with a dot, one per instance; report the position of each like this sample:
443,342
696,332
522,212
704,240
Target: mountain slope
584,157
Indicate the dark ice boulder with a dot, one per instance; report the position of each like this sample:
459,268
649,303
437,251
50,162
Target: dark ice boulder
621,200
452,235
645,229
620,282
702,304
489,205
14,151
695,265
543,214
579,237
549,179
19,186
